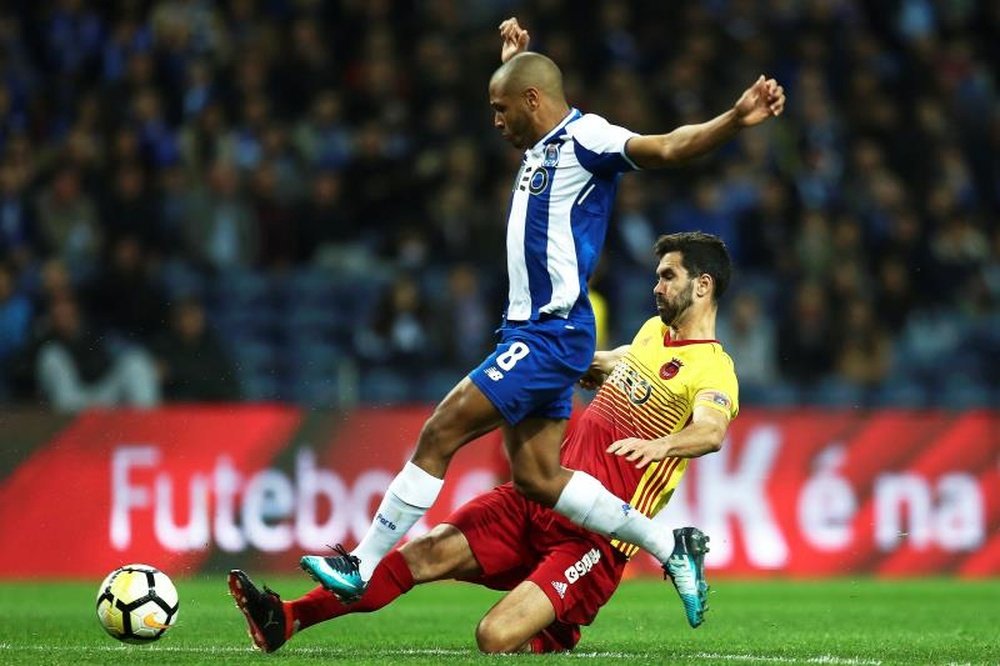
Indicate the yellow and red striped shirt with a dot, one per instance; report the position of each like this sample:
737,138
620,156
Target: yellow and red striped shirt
651,393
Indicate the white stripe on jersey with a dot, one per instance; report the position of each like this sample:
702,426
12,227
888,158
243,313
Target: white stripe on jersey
564,272
519,300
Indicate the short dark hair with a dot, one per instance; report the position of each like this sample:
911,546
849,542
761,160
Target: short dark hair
701,253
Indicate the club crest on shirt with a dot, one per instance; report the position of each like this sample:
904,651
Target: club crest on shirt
539,181
670,370
551,157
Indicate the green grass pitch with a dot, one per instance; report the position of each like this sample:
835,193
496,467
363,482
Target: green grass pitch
771,622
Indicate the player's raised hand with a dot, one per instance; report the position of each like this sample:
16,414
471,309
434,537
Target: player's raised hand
640,451
763,100
513,39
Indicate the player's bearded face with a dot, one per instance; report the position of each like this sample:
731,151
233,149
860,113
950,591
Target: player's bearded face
673,307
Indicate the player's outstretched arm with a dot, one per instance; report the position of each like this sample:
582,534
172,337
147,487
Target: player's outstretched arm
602,365
513,39
703,435
763,100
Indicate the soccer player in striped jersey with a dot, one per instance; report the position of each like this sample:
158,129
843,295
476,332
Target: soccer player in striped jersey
667,397
559,210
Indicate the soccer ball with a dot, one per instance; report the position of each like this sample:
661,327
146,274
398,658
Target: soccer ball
137,603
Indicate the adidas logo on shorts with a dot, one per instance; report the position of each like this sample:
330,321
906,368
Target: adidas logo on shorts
560,588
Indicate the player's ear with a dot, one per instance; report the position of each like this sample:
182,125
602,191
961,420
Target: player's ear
532,98
704,285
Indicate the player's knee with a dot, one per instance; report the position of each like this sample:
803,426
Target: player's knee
423,556
440,436
495,637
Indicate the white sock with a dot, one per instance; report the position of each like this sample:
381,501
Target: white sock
407,498
589,504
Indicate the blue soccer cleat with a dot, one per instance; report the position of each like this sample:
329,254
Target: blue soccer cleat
686,569
338,574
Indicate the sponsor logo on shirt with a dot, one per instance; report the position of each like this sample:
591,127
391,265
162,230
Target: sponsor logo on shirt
631,383
583,566
539,181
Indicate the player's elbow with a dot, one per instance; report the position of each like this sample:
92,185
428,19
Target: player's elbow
670,153
714,437
713,446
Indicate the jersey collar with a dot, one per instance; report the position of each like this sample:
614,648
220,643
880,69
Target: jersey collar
669,342
573,114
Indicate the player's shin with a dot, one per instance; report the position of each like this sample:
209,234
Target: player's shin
589,504
407,498
391,579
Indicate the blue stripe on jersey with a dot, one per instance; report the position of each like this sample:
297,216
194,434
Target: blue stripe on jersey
590,214
536,239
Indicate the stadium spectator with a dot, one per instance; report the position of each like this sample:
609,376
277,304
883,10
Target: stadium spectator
864,351
128,208
331,232
18,230
462,322
277,223
124,299
399,336
191,364
806,336
74,369
15,317
749,338
221,230
68,221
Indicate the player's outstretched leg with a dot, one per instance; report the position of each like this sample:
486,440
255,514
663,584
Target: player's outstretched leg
686,569
338,574
264,612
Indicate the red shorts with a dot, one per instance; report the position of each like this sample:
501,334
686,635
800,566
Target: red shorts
515,540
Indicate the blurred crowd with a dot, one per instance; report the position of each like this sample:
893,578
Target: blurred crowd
304,200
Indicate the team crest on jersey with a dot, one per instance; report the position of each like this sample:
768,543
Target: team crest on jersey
670,370
551,158
539,181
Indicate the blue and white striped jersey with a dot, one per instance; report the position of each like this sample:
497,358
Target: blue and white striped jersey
559,210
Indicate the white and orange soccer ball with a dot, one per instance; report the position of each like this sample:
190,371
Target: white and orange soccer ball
137,603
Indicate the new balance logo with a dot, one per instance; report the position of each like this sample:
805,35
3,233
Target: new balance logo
385,522
560,588
494,374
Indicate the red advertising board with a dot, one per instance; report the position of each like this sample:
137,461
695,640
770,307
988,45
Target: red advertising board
801,493
133,486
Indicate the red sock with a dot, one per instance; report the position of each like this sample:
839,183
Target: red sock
390,579
557,637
